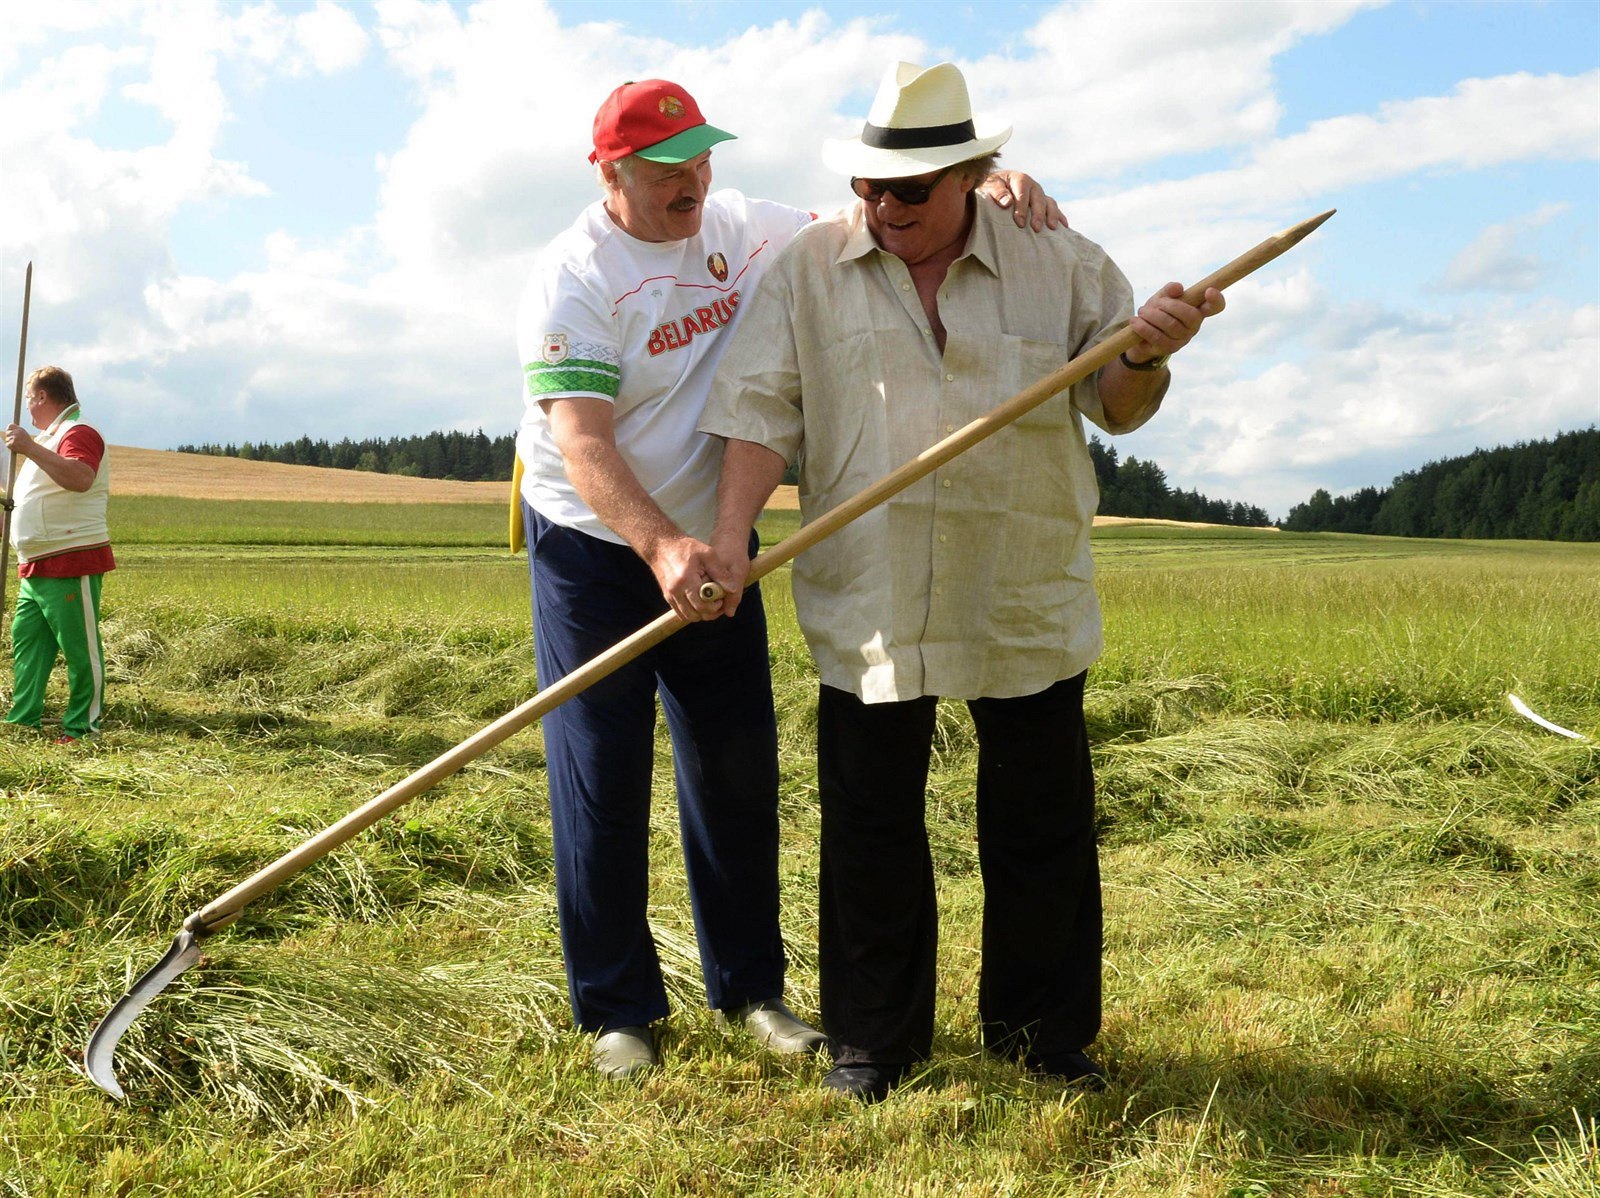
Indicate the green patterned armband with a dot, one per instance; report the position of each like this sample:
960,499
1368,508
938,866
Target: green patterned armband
574,374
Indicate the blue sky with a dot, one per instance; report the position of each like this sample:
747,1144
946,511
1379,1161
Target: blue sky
257,221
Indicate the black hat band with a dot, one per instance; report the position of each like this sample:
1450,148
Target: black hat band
882,138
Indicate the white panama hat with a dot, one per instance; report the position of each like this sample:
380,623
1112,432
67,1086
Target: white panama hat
920,121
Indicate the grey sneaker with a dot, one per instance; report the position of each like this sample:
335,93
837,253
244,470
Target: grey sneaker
774,1027
624,1052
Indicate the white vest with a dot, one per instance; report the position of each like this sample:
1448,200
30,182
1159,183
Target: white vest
48,518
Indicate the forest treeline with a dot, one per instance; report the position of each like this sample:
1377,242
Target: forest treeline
1539,490
1127,488
1138,488
465,457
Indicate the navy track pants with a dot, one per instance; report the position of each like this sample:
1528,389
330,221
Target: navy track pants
715,688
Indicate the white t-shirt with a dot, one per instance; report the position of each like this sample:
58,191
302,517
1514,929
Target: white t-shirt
644,325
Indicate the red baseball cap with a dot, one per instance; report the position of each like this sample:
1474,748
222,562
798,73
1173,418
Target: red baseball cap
654,119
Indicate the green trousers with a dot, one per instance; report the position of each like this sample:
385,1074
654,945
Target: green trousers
58,615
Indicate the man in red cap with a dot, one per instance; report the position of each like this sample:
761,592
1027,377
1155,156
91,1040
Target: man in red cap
620,331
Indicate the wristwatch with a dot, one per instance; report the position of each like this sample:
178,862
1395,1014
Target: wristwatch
1155,363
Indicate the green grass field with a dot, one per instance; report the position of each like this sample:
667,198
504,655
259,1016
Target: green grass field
164,520
1353,902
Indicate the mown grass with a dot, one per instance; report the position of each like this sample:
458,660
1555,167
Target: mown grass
1351,899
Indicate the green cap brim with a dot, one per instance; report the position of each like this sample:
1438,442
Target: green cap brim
681,147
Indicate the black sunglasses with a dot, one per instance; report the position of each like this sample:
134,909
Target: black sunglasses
905,190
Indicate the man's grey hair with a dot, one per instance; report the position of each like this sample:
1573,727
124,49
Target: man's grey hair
980,168
623,166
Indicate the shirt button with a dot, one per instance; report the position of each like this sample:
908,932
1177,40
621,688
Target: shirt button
949,428
938,590
927,332
943,538
949,378
947,482
905,286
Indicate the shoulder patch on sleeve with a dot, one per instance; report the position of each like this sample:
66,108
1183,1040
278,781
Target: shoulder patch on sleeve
564,367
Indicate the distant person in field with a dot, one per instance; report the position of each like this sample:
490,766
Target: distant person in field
876,334
621,328
58,528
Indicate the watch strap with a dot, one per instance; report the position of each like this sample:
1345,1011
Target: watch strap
1155,363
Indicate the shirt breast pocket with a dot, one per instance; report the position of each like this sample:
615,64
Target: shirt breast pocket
1028,362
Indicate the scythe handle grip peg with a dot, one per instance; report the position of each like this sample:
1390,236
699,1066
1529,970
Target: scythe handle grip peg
7,504
711,592
197,926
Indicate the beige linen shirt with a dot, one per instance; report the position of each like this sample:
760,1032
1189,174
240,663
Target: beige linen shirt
976,581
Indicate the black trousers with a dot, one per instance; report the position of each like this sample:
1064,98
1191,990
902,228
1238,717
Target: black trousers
1039,990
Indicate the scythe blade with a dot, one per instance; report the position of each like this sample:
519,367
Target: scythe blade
99,1059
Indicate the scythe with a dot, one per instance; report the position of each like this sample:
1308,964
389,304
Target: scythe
100,1057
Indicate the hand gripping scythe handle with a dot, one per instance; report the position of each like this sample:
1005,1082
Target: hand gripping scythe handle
100,1056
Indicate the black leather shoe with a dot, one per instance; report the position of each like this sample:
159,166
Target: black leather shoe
1075,1068
869,1083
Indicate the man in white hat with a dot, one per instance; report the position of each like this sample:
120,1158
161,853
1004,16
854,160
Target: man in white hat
875,335
623,322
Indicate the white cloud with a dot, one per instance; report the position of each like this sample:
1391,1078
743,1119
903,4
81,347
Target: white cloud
496,163
1483,122
65,90
404,323
97,221
325,39
421,37
23,27
1494,261
1106,91
262,33
1401,394
99,217
330,37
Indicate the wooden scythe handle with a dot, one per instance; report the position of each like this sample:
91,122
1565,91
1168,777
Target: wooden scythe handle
11,462
225,909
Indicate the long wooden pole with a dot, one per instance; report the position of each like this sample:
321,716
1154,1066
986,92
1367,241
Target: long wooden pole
226,908
11,463
100,1056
